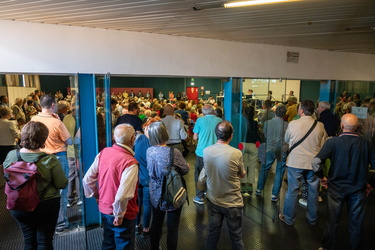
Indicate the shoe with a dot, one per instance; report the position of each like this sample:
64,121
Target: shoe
62,230
281,217
302,202
274,198
246,194
258,192
145,235
320,199
71,203
138,230
198,200
79,203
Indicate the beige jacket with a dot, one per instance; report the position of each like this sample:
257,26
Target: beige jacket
302,156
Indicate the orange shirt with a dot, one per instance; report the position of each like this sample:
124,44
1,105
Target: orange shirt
58,133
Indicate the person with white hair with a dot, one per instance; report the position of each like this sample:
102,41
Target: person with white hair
17,109
330,121
115,170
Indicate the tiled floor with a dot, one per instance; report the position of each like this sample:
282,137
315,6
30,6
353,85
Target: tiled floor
261,226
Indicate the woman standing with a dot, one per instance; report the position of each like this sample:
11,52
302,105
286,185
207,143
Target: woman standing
250,151
158,162
38,227
9,133
141,145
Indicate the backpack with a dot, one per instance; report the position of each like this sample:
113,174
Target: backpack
21,190
174,187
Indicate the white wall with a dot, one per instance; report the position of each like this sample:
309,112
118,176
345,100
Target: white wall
44,48
15,92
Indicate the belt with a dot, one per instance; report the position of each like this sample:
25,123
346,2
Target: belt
60,153
171,144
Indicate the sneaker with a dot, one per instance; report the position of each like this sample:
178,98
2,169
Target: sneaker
71,203
274,198
145,235
79,202
281,217
198,200
258,192
62,230
302,202
138,230
246,194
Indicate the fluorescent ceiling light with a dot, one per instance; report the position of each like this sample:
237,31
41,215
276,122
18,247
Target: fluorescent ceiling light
254,2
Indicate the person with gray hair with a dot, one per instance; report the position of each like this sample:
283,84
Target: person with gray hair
330,121
158,164
175,128
115,171
9,133
204,130
274,131
17,109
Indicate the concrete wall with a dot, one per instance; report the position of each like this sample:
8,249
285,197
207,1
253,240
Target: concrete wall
54,49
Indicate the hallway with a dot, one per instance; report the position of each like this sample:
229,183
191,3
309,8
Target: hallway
261,227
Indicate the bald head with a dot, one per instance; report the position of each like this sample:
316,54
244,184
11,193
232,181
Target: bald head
349,123
168,109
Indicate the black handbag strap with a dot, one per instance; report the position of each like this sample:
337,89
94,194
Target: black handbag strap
171,156
303,138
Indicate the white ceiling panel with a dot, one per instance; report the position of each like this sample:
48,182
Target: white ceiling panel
337,25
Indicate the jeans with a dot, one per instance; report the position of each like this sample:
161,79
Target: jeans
62,221
38,227
73,180
290,203
144,198
173,220
280,169
118,237
250,160
356,205
198,168
233,217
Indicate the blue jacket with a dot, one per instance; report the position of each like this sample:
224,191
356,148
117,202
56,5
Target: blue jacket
140,147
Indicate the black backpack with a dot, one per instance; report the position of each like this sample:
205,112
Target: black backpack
174,187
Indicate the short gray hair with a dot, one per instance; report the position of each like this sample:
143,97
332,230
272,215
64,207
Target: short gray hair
123,133
157,133
325,105
207,110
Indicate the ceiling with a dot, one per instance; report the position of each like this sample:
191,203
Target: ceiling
335,25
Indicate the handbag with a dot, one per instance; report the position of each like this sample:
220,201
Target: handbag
303,138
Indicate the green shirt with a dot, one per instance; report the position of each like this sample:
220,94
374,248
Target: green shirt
51,177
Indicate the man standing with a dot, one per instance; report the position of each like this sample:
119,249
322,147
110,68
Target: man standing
350,157
330,121
291,108
223,168
115,171
204,130
276,148
132,117
175,128
299,163
56,143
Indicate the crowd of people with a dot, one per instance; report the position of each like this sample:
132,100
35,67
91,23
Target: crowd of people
305,138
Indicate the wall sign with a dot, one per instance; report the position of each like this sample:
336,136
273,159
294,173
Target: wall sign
292,57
